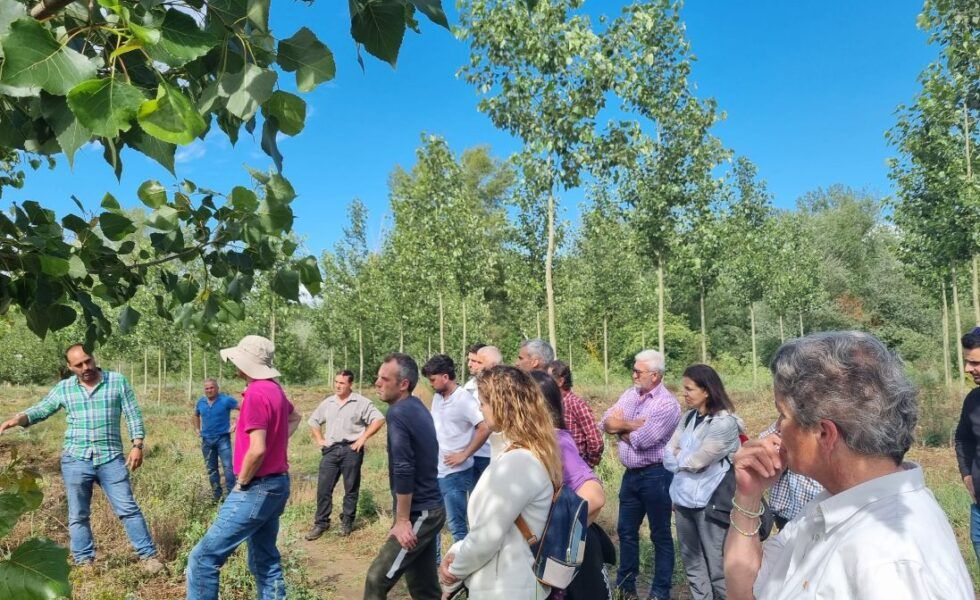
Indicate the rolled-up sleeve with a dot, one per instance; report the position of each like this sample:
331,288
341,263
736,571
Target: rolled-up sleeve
131,410
46,407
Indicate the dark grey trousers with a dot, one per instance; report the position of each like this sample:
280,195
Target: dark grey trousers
418,564
701,542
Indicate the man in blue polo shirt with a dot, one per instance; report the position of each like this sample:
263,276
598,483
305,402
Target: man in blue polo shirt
212,421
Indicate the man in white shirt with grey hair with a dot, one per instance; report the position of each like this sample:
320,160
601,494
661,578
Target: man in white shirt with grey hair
847,416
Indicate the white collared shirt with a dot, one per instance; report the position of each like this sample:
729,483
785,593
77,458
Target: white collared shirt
884,539
484,450
456,418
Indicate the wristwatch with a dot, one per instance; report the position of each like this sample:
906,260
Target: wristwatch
138,445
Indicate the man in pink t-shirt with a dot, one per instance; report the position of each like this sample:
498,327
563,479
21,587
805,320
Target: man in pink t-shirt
252,510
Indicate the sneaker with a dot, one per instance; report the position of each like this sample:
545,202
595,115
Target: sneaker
346,529
152,565
316,531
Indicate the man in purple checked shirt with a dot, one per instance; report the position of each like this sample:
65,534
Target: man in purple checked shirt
643,419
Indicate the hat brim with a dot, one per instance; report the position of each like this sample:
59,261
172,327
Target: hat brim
247,364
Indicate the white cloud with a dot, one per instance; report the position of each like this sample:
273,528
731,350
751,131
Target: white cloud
194,151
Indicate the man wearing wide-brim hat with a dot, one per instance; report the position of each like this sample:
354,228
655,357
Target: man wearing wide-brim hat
252,510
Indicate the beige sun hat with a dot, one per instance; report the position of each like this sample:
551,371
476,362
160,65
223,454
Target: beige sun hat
253,356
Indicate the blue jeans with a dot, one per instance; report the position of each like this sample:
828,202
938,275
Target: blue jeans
215,448
456,488
252,516
480,464
113,478
975,529
644,492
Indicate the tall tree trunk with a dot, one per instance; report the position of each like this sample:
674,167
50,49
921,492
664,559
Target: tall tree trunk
360,359
605,350
782,331
190,368
538,317
976,290
946,365
272,321
159,375
345,357
463,365
660,303
330,364
704,332
755,356
800,314
401,335
442,328
205,356
569,355
958,333
430,348
146,371
549,260
164,370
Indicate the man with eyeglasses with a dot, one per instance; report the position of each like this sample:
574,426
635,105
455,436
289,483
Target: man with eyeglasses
643,420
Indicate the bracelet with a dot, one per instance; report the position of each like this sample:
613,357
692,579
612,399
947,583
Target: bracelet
752,533
749,513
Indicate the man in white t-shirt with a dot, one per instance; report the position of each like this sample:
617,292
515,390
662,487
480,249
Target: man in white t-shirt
461,432
478,358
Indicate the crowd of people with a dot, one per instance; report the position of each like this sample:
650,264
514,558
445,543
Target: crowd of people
488,459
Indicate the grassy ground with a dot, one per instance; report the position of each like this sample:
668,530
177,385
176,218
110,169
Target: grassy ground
173,491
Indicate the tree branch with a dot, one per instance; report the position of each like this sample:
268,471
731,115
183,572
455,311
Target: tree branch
46,9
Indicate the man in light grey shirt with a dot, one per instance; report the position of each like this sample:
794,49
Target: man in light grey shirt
341,425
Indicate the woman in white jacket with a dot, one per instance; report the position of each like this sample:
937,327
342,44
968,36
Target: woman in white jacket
699,456
494,560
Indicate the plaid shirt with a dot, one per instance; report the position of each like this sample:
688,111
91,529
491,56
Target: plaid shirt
645,446
792,491
580,422
92,416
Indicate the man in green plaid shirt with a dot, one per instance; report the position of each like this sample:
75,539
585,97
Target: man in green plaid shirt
94,400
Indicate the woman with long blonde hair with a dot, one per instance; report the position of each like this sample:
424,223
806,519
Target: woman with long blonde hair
494,560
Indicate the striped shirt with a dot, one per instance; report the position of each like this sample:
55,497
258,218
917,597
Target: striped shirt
645,446
792,491
92,416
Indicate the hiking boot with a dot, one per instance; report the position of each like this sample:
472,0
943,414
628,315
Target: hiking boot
152,565
346,529
316,532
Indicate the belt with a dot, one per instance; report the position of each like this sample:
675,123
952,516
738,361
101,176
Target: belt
649,466
254,479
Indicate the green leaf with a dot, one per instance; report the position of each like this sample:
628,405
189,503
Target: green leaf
36,318
146,35
152,193
308,57
309,274
55,266
181,40
258,14
115,226
69,132
171,117
164,218
234,309
76,268
274,217
105,106
35,570
109,202
243,199
380,26
186,291
34,58
247,90
270,128
433,10
279,189
289,110
10,11
60,316
128,318
152,147
286,284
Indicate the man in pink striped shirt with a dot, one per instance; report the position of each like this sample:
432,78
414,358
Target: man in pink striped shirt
644,418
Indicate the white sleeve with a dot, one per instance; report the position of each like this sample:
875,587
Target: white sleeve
472,410
515,482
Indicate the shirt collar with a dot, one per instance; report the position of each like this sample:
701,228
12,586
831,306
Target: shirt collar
651,394
449,398
838,508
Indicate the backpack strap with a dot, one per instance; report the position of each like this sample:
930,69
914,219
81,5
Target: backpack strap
529,537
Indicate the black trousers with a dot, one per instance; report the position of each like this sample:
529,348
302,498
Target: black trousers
338,460
592,582
418,565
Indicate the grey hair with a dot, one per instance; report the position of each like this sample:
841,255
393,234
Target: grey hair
407,368
540,348
210,380
853,380
490,354
652,359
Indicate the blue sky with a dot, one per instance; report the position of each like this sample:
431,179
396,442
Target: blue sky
809,89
